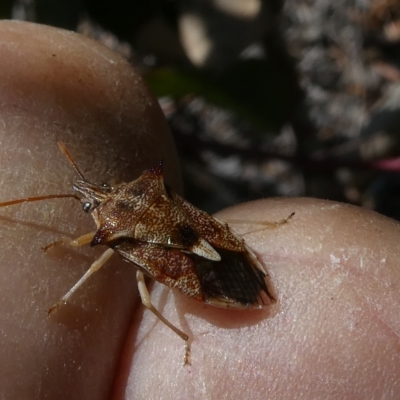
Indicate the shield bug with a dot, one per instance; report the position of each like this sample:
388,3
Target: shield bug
167,239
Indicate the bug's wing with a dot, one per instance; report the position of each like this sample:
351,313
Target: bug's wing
236,281
236,257
214,231
172,267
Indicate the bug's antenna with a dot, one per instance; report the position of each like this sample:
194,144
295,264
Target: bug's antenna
37,198
67,154
64,150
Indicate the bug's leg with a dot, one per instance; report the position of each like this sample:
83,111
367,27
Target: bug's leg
146,300
264,223
278,223
93,268
80,241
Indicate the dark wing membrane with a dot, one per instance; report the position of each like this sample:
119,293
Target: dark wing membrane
235,281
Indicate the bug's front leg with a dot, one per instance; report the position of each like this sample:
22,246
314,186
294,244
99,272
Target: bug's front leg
146,300
93,268
77,242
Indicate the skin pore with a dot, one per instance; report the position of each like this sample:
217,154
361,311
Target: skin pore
333,334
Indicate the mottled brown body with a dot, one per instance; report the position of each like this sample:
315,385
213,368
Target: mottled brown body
175,243
169,240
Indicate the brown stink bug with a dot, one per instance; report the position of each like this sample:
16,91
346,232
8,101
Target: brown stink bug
169,240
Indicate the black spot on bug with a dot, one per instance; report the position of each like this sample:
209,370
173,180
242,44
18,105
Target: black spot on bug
187,236
124,205
137,190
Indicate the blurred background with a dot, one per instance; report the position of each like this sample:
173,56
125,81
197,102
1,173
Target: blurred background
264,98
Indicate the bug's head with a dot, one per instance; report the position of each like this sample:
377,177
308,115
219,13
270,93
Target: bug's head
90,195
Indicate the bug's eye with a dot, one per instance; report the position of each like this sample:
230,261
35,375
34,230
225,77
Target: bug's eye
87,206
106,187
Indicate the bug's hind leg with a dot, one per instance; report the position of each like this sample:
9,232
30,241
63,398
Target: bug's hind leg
80,241
146,300
264,223
93,268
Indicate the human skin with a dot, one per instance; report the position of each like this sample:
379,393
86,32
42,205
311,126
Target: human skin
333,333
